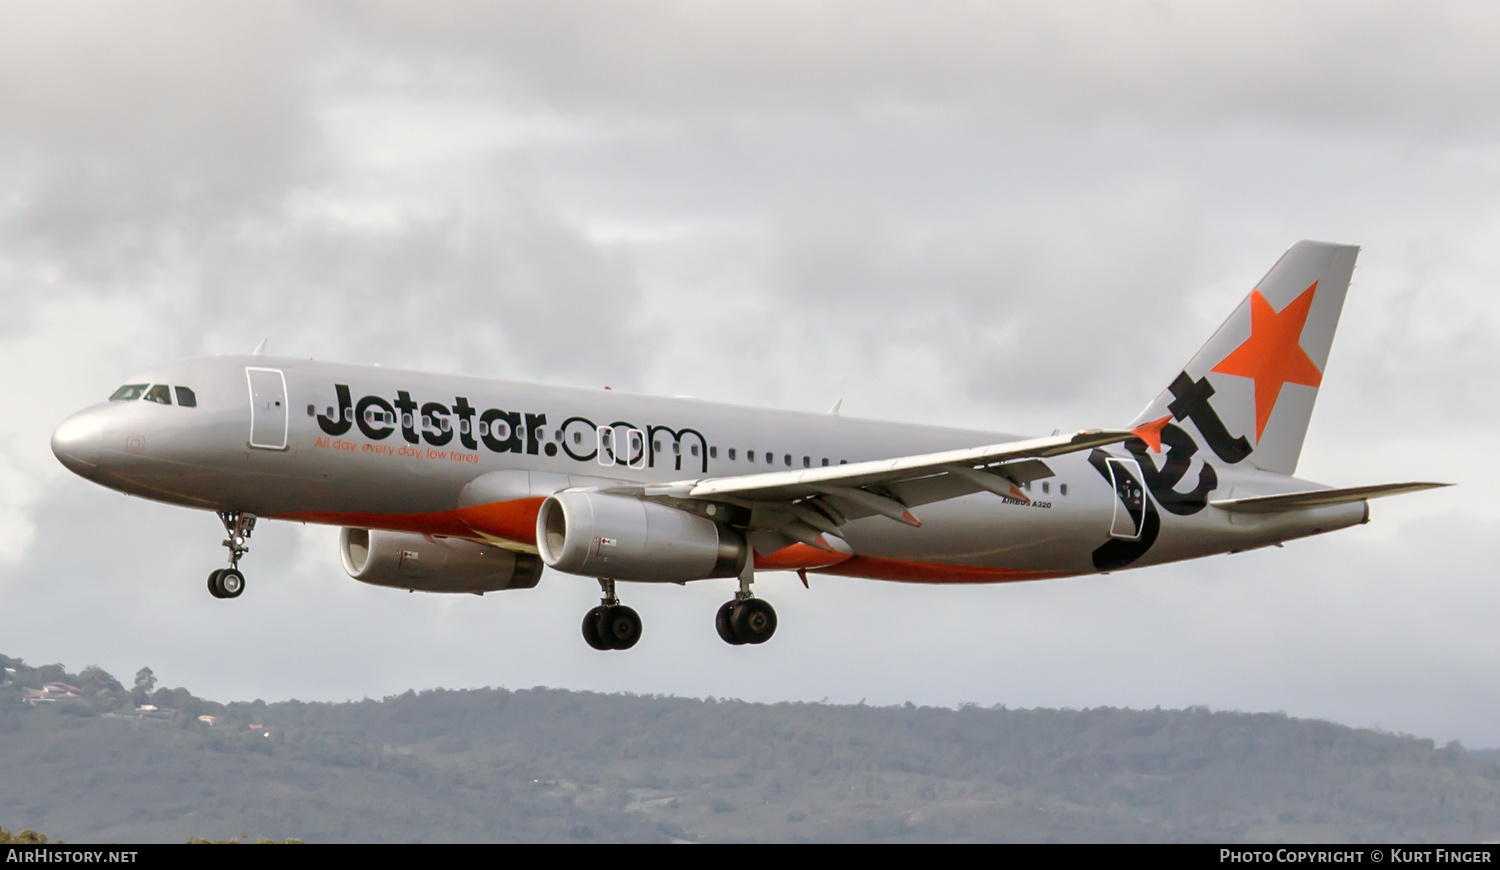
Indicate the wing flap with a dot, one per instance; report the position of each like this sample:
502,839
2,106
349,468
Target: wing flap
790,485
1292,501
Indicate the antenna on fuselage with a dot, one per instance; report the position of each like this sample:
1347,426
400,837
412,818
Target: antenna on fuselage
260,349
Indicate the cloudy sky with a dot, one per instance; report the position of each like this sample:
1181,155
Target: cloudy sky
1013,216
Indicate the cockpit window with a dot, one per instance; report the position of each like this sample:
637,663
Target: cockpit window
159,393
128,393
186,398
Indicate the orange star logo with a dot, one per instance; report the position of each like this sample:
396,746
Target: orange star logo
1273,356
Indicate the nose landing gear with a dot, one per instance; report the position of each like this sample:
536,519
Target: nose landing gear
230,582
611,625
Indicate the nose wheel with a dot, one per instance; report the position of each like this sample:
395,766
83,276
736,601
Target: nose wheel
230,582
226,583
611,625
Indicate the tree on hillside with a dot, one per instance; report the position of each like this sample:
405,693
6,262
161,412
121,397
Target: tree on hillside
94,679
145,681
26,837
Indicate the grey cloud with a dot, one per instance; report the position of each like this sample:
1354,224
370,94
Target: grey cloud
1181,62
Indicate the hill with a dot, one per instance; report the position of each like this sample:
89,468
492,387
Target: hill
552,765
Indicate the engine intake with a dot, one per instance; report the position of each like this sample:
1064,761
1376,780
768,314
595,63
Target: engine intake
624,538
418,562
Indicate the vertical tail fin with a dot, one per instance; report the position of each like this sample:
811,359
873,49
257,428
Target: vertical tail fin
1248,393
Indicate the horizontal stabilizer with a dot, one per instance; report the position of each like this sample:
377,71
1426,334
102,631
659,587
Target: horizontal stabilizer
1293,501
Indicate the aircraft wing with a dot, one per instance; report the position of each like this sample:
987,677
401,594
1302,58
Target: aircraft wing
801,504
1291,501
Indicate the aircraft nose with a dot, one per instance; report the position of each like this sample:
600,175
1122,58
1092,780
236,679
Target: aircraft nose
76,442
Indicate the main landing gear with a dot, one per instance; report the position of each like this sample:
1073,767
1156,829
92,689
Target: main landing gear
611,625
230,582
745,618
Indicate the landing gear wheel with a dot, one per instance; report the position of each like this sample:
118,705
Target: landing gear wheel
591,634
213,584
724,622
754,621
620,627
229,582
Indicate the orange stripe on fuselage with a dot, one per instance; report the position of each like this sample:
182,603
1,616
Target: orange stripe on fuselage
903,571
513,520
798,557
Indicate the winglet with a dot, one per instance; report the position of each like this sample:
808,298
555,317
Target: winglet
836,406
1151,432
260,349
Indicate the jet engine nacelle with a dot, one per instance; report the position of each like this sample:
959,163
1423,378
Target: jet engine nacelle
624,538
407,561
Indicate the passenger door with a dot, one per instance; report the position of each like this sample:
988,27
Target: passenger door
268,410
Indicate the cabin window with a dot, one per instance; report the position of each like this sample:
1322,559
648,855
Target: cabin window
825,461
128,393
406,421
159,393
577,437
463,426
749,456
693,448
1062,489
484,429
1046,487
447,424
713,452
807,462
843,462
677,448
656,445
770,458
312,410
731,454
188,399
557,436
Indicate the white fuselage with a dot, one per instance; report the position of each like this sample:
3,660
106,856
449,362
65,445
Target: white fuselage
282,438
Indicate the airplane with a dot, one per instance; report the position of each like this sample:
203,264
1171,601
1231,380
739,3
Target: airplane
460,484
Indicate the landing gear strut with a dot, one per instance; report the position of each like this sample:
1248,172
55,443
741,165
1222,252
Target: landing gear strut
611,625
746,619
230,582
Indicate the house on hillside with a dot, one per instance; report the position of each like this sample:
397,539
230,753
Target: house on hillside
208,720
50,692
